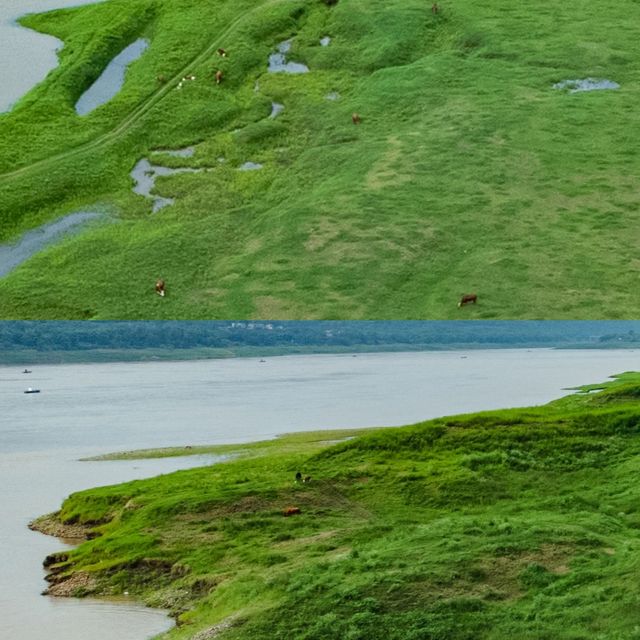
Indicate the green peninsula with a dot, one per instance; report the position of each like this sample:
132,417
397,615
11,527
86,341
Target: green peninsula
517,523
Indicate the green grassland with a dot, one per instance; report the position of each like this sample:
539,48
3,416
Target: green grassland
520,523
469,172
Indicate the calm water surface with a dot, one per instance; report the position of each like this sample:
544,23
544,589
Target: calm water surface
89,409
111,79
26,57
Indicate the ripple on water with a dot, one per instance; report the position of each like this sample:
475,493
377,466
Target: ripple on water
278,62
34,241
587,84
111,80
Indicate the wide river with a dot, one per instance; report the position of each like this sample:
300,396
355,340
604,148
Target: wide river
26,57
85,410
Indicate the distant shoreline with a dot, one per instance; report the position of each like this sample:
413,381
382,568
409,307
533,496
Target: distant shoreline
29,357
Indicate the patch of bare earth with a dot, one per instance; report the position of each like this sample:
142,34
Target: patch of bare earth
322,233
490,578
388,170
318,537
248,504
502,573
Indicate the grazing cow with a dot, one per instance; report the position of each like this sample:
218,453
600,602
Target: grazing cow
160,290
219,76
222,53
468,298
307,479
291,511
355,118
435,8
298,476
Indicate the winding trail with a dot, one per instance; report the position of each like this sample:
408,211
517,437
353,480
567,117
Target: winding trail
143,108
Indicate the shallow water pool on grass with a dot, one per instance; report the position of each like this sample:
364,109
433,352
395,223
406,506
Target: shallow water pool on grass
250,166
587,84
278,62
14,254
110,82
145,174
187,152
276,109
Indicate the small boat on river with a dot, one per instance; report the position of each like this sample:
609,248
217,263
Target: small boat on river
26,371
30,390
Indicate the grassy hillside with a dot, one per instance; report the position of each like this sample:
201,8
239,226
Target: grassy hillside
520,523
469,172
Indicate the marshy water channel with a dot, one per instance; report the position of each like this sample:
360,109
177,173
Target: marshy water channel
26,56
13,254
110,82
144,175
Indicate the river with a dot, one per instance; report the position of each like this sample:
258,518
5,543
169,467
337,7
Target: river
85,410
26,56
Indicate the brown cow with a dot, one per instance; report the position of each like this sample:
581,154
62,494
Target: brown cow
355,118
222,53
160,290
468,298
306,479
219,76
291,511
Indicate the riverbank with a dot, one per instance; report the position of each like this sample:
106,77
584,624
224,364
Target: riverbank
32,358
521,522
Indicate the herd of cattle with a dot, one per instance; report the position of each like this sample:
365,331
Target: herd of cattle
356,118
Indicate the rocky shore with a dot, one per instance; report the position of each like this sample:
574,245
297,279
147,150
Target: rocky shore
60,584
50,525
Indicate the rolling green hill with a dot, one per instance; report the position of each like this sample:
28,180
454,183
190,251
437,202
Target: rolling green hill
468,172
519,523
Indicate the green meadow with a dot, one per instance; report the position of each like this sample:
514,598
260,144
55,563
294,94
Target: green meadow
468,173
520,523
